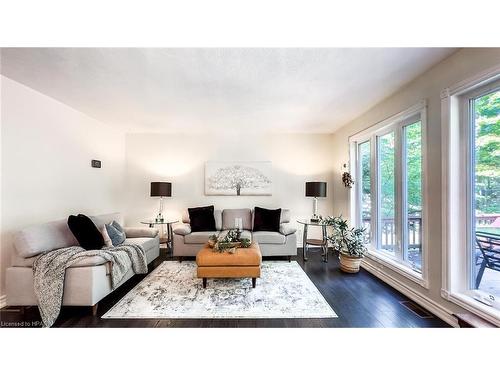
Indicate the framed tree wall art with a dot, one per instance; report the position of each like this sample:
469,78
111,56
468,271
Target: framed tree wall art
238,178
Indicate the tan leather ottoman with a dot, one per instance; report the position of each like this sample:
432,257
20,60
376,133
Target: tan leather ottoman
244,262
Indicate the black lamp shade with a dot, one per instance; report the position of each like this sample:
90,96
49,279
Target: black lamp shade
315,189
161,189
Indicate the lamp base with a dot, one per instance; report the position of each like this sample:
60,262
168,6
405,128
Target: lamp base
159,217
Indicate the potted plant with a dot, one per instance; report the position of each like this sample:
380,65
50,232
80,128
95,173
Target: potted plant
349,242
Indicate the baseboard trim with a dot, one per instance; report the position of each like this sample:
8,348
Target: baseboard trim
440,311
3,301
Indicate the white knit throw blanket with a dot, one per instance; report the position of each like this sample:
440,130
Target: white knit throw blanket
49,271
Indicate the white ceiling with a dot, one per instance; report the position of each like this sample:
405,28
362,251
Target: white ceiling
204,90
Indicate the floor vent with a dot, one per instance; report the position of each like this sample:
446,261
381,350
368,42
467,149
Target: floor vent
416,309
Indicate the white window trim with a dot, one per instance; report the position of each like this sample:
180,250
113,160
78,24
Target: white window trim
454,194
397,267
370,134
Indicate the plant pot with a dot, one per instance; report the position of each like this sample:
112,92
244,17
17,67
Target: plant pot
349,264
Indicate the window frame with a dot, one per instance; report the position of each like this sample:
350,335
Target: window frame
457,184
359,187
468,109
395,124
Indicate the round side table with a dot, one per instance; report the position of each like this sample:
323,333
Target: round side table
322,243
166,240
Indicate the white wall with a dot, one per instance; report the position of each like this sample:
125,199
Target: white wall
46,149
461,65
180,159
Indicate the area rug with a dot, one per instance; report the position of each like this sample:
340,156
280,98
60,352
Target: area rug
173,291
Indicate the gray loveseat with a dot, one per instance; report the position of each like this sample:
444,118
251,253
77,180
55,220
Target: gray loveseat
282,243
88,280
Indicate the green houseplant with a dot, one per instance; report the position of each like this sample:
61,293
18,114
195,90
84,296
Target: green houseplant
348,241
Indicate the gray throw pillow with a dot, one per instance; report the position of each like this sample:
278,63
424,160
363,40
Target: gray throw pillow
116,233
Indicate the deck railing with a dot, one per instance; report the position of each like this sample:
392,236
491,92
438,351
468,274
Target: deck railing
483,220
388,230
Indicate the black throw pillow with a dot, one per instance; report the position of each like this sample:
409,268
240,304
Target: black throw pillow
202,219
266,220
85,231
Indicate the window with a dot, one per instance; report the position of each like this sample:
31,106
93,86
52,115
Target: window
484,200
389,199
387,213
365,187
471,194
412,180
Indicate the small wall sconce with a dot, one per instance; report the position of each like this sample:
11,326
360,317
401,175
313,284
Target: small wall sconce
346,176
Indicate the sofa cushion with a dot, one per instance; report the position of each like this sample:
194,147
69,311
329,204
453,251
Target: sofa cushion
116,233
287,228
100,220
266,220
202,219
85,262
86,232
41,238
135,232
217,217
244,234
229,215
181,229
268,237
147,243
105,237
285,216
198,237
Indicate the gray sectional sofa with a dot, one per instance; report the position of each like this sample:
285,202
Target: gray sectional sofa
282,243
88,280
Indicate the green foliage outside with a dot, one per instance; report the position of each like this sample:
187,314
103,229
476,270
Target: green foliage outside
487,167
413,139
487,153
387,181
364,154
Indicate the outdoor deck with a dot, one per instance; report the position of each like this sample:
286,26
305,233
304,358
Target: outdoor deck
490,281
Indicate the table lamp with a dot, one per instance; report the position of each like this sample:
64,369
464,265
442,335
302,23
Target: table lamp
315,189
161,189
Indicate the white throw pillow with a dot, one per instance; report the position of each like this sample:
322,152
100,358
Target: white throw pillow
182,229
105,236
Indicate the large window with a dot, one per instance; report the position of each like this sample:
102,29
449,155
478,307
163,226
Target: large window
365,187
412,198
387,187
389,196
484,200
471,194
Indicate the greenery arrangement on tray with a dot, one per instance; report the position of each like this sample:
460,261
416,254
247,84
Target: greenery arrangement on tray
228,243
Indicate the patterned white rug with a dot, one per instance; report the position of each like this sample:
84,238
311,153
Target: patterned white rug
172,290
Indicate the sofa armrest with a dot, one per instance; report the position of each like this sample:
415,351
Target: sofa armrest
136,232
287,228
181,229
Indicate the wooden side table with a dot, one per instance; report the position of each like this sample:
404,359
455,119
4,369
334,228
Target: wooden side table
322,242
168,239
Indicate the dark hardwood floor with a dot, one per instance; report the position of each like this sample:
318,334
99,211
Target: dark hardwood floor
359,300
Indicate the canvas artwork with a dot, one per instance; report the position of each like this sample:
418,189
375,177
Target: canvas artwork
238,178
